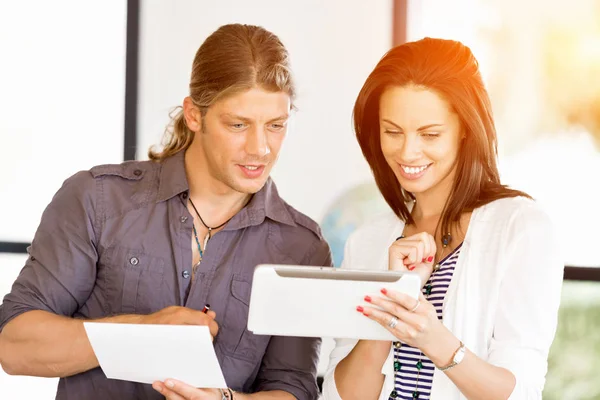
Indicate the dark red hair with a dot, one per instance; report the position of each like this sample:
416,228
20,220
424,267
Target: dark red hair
448,68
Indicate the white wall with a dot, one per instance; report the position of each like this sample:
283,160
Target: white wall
528,153
62,80
333,46
62,88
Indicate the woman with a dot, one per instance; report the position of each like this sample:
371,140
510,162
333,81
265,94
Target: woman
483,325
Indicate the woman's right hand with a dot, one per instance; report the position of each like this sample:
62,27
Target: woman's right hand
415,253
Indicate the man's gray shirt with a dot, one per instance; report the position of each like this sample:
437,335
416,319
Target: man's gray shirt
117,240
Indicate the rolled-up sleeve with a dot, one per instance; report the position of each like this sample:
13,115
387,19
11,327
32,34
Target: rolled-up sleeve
290,363
60,271
526,317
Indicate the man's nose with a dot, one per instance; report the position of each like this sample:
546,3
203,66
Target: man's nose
257,143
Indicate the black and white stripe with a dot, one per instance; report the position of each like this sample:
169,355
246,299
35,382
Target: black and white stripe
406,378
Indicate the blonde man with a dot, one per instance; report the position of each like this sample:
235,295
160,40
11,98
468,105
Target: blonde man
153,242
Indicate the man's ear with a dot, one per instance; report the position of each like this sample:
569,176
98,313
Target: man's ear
192,115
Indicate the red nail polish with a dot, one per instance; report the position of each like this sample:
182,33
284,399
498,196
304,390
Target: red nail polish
384,291
411,267
430,259
359,309
368,299
365,314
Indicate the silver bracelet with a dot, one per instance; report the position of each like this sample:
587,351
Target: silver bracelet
226,394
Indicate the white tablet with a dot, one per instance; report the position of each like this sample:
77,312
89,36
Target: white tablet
321,301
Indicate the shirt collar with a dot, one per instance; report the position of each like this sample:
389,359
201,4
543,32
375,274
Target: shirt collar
173,179
266,203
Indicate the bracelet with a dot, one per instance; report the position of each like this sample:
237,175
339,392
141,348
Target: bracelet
226,394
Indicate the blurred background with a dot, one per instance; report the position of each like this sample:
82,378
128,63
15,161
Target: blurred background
86,83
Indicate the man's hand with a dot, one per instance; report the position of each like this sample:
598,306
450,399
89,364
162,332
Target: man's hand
176,390
176,315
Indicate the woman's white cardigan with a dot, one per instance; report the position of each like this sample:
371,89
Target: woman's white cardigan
502,301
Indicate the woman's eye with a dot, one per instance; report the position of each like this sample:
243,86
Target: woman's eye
392,132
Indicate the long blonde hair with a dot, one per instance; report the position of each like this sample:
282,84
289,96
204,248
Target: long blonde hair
234,58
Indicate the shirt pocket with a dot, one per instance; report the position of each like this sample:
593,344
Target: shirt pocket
135,282
236,339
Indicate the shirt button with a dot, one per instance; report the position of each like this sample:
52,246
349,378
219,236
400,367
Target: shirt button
183,219
134,261
137,172
185,274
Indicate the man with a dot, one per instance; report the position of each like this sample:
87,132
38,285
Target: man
153,242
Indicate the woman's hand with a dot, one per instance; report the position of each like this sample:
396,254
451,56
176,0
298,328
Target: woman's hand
175,390
415,253
412,321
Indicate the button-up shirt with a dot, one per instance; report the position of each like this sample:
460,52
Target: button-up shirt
117,240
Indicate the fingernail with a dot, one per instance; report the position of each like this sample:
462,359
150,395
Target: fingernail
430,259
365,314
411,267
157,388
170,384
424,260
368,299
384,291
360,309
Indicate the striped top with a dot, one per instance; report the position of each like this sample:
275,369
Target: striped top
410,381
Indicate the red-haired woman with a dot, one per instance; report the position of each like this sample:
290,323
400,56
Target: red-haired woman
487,254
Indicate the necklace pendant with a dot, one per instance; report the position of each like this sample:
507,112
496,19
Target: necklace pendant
428,289
206,238
446,239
